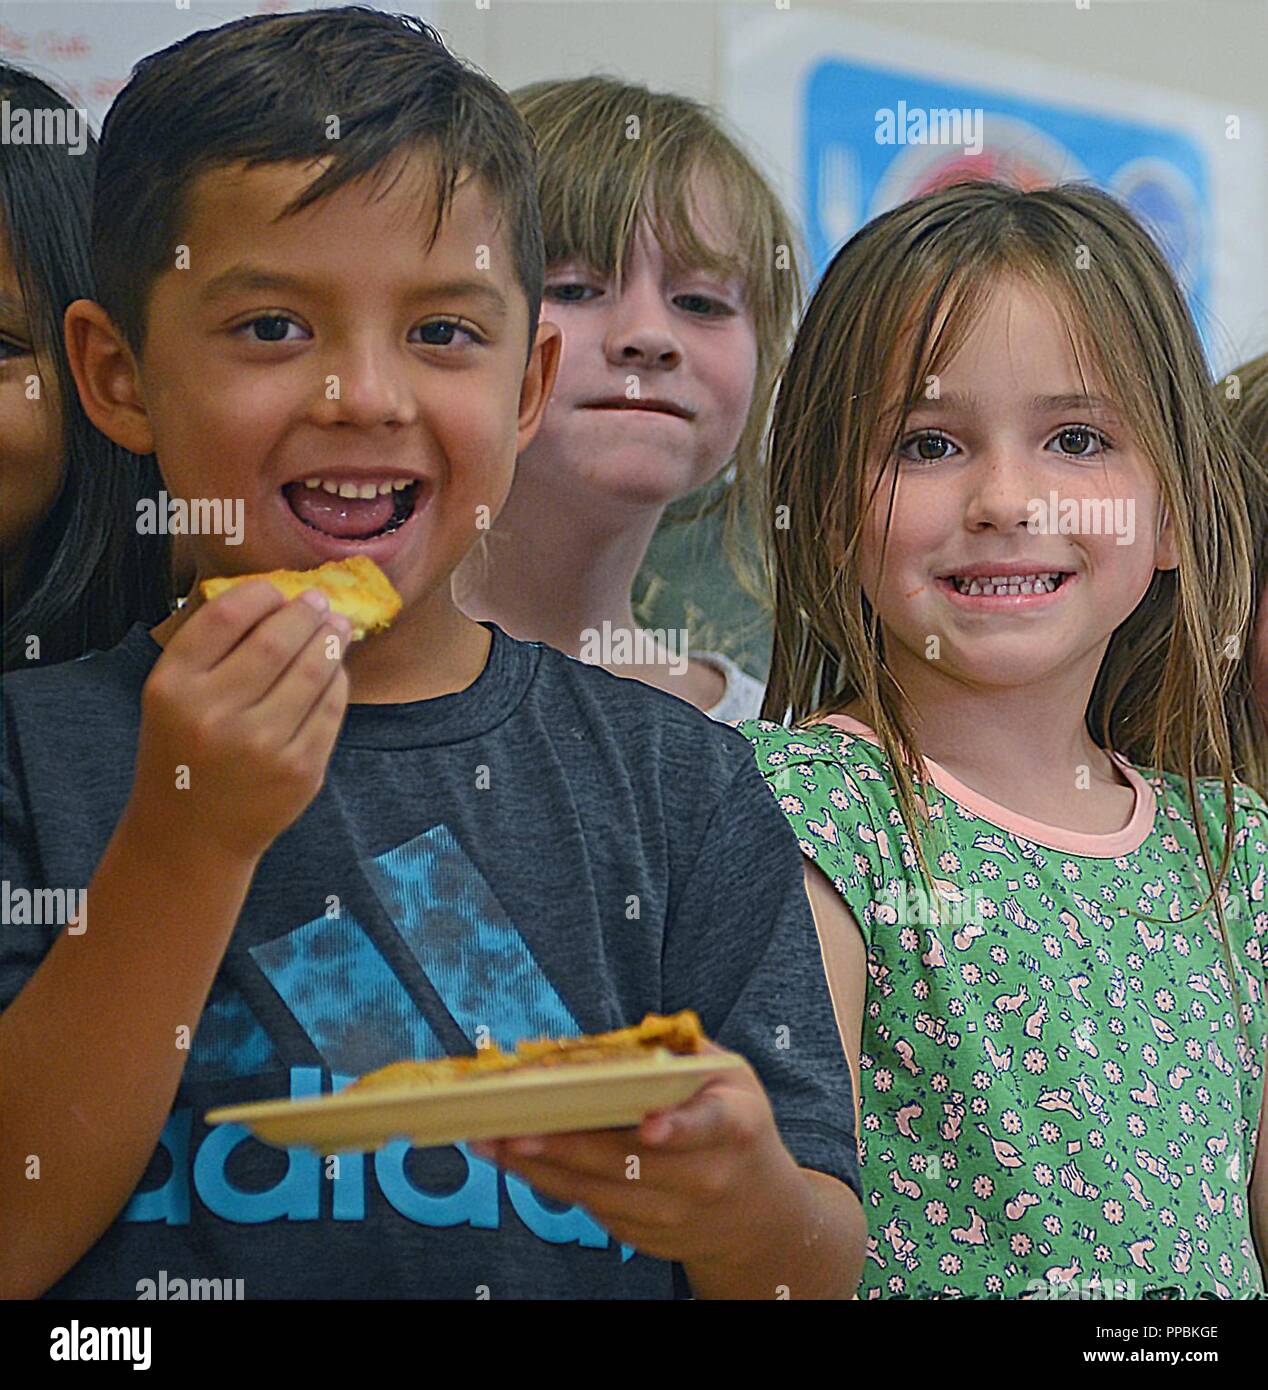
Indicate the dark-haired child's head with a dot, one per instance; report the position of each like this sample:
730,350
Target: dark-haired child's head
346,89
76,572
319,257
31,458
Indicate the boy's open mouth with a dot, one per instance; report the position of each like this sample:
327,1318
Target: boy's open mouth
353,509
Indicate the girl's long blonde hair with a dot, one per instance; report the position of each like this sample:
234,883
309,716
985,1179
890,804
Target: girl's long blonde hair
892,309
1243,392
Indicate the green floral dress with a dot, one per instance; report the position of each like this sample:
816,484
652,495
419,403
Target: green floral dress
1060,1087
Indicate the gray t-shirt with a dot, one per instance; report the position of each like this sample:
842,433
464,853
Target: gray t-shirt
552,850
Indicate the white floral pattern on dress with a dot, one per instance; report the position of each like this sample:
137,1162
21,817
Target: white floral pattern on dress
1062,1086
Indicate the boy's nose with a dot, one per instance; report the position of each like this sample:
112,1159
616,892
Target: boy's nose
367,387
645,346
640,331
648,350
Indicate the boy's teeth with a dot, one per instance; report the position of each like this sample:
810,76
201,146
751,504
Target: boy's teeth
360,490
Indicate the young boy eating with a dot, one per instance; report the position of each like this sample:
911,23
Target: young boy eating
319,262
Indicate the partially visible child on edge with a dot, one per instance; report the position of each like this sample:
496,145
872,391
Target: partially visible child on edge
1248,703
670,268
1048,957
77,571
319,860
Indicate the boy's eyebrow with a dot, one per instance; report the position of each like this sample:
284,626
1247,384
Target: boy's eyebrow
256,278
246,277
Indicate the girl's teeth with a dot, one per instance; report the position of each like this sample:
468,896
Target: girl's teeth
312,482
1012,584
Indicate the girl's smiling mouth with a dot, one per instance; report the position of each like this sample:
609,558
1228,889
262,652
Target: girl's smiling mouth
1007,585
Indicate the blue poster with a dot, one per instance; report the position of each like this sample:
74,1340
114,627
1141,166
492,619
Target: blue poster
876,137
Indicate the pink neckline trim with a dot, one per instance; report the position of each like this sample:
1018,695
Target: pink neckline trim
1111,846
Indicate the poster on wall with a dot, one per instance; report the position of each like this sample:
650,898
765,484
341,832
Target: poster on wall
858,120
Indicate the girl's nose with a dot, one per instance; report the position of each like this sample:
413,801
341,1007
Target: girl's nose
1000,491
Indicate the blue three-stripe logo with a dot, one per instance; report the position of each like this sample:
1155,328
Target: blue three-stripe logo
358,1015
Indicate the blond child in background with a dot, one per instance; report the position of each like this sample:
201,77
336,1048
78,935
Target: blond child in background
671,270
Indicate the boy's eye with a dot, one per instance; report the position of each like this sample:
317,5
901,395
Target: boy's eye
10,349
569,293
702,305
929,447
440,333
269,328
1074,441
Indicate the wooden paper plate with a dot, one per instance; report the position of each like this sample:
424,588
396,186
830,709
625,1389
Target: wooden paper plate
542,1100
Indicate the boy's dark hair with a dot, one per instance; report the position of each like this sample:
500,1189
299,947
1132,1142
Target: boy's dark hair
264,90
88,574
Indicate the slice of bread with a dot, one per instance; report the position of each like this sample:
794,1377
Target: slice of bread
657,1035
356,587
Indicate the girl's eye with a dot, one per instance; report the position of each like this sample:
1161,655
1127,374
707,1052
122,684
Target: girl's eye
1075,439
10,349
269,328
928,446
442,332
569,293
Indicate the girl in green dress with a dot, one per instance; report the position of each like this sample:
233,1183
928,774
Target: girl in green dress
1011,560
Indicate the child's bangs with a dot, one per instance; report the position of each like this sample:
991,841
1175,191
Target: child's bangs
929,339
668,199
613,158
713,216
924,342
1094,319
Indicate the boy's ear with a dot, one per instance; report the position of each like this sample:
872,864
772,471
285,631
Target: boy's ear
106,377
539,381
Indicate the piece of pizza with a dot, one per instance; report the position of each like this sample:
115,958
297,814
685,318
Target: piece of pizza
657,1036
356,587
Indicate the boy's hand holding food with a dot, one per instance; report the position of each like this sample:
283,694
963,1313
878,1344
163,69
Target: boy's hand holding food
713,1186
248,696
